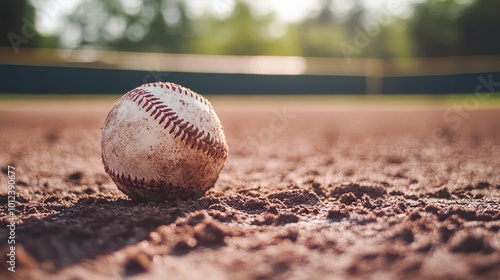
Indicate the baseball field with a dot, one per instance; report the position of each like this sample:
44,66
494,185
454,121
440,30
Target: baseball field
313,188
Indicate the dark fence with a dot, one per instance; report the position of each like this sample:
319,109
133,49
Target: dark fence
21,79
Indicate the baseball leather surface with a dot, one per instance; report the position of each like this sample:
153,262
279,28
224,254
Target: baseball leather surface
162,141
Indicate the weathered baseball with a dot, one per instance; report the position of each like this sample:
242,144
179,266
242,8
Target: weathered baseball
162,141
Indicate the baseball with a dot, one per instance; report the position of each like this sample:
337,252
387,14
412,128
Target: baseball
162,141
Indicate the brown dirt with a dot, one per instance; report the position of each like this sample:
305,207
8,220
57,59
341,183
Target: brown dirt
308,192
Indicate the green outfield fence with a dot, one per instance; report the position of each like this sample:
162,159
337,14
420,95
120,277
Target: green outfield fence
42,71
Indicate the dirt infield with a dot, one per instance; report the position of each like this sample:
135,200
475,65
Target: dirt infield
308,192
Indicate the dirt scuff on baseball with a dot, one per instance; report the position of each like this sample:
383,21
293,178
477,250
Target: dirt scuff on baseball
162,141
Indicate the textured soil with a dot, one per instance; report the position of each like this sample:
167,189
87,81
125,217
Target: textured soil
310,191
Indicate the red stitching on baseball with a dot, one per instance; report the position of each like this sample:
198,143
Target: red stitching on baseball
190,135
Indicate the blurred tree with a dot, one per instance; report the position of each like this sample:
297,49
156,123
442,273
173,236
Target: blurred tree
389,40
241,33
326,34
236,34
400,43
155,25
450,27
319,35
338,29
433,27
479,28
160,26
17,28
